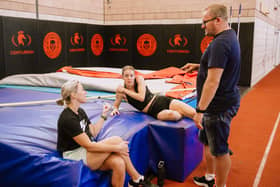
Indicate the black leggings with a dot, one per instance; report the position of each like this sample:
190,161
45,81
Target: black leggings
159,103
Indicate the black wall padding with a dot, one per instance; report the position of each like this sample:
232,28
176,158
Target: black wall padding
95,45
20,40
246,38
119,46
52,47
180,45
167,53
151,46
2,59
57,44
76,44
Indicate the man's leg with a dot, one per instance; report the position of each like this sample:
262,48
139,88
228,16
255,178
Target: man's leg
223,164
210,161
209,178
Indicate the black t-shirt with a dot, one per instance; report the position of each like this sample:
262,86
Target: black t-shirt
222,52
70,125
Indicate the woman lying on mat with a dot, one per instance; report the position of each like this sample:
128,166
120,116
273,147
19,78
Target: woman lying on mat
138,95
76,134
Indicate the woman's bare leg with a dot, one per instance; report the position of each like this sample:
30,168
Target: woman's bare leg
183,108
96,159
129,166
169,115
116,164
133,173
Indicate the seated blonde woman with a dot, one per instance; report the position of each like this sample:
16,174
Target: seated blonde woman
136,93
76,138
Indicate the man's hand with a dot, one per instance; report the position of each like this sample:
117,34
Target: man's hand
198,120
189,67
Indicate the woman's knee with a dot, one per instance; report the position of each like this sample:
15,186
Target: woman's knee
183,108
169,115
113,140
117,139
175,115
117,163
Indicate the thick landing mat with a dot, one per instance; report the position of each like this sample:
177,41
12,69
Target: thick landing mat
28,141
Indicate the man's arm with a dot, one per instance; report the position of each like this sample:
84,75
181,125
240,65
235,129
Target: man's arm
209,89
189,67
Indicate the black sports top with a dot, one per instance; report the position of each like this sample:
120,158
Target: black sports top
138,104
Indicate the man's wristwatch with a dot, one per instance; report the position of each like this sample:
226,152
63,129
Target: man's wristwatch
104,117
199,111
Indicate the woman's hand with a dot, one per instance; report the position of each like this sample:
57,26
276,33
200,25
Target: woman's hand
106,108
123,148
120,89
115,112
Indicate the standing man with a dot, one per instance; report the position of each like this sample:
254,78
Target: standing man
218,97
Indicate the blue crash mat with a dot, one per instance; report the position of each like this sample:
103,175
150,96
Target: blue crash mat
28,143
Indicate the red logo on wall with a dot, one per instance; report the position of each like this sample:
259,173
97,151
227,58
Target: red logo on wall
52,45
146,44
97,44
205,42
77,41
178,42
21,41
118,42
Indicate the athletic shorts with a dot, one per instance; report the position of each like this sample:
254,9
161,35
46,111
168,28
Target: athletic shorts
215,131
159,103
76,154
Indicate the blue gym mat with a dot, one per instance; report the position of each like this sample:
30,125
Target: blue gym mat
28,142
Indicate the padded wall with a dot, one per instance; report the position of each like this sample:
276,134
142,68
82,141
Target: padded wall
119,46
246,39
52,47
76,44
2,60
20,46
175,44
56,44
96,38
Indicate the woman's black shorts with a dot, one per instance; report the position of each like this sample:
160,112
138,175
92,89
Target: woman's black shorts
159,103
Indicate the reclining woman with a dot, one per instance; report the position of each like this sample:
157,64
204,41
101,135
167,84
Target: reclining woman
76,138
138,95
